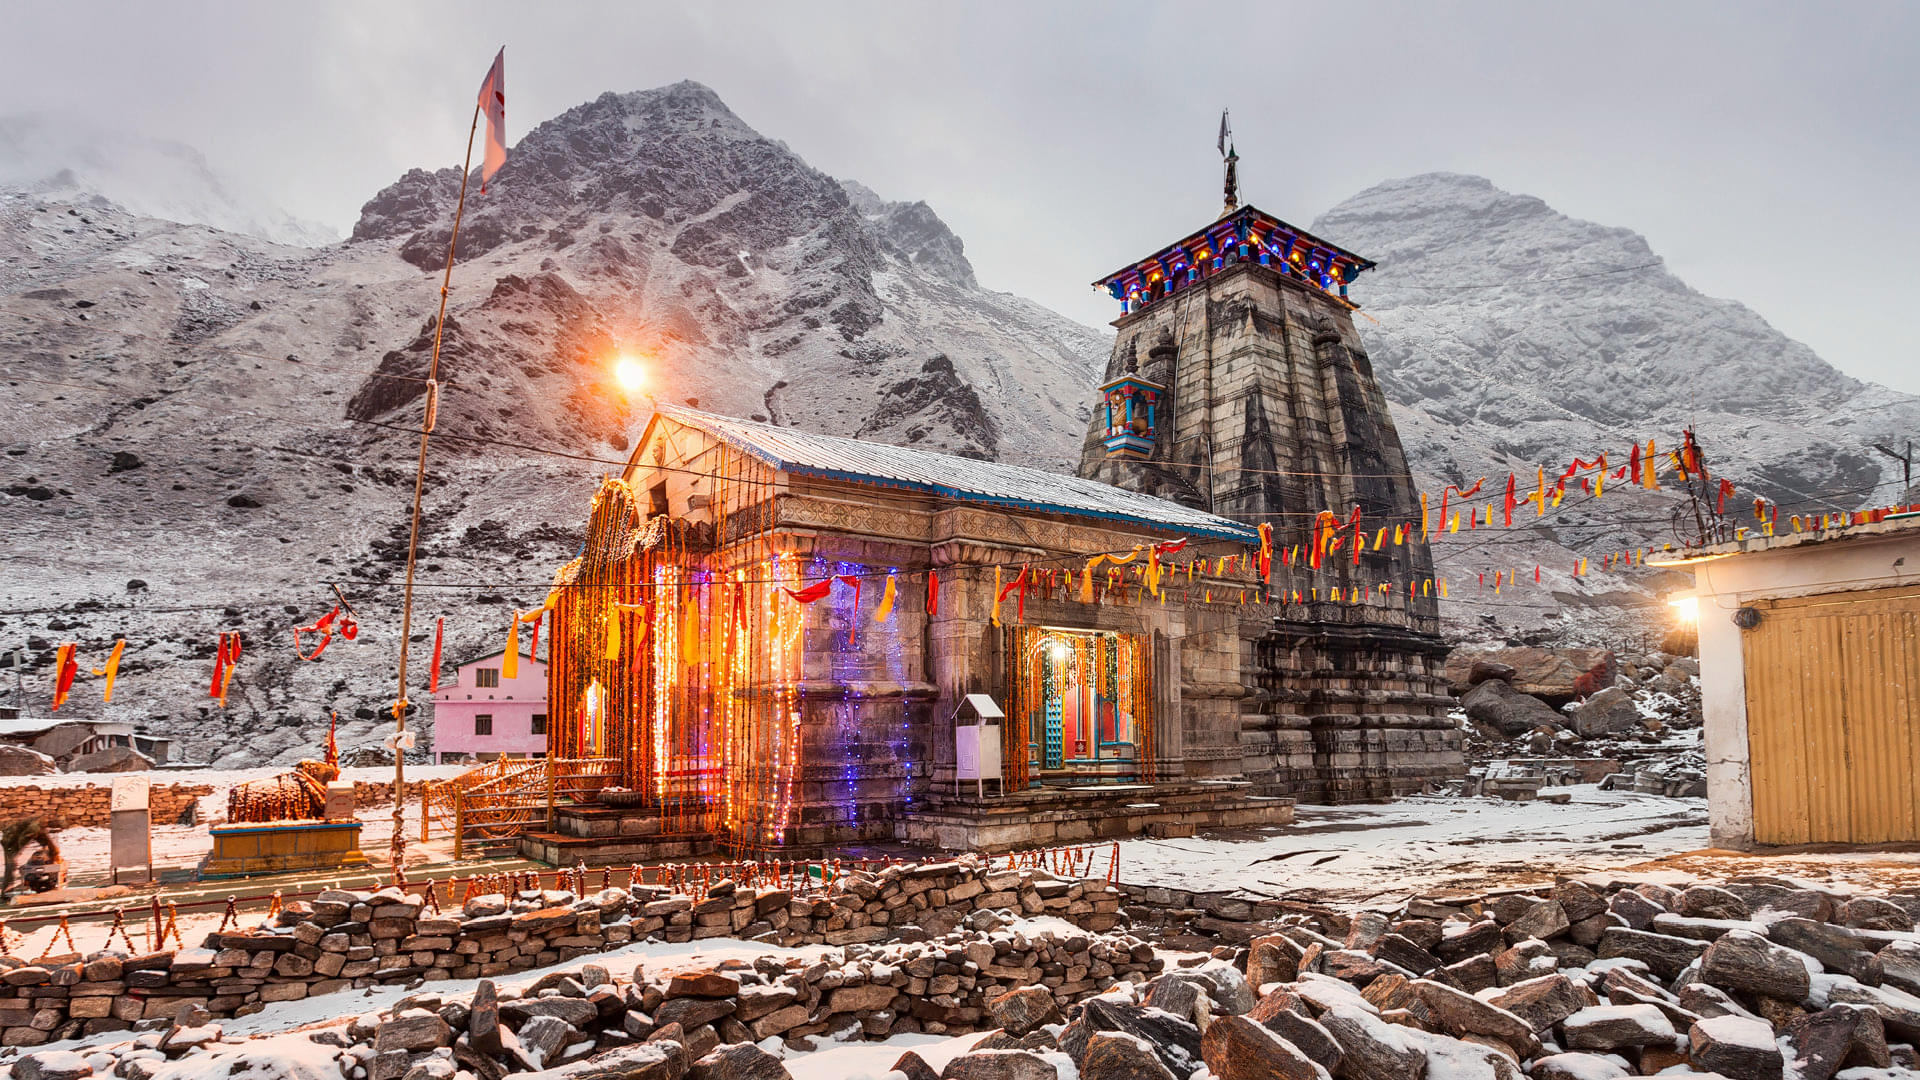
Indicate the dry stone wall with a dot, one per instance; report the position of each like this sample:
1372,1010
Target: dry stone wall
91,804
343,940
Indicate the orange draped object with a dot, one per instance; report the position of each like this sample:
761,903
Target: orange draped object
112,670
64,669
433,673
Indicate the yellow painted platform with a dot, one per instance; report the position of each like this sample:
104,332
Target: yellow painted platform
268,847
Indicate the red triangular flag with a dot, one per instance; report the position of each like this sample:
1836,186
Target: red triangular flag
812,592
493,102
433,673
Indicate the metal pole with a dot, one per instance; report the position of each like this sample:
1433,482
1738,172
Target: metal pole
399,846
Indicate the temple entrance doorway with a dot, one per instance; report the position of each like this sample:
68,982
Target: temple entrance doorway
1083,705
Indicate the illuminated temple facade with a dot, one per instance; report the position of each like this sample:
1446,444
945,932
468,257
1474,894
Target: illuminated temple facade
729,648
777,642
1239,386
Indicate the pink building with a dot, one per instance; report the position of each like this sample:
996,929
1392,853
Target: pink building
480,715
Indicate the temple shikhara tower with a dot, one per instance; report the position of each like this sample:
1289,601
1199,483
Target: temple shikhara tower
1239,386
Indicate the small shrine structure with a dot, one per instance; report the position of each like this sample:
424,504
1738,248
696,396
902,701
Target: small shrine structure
302,819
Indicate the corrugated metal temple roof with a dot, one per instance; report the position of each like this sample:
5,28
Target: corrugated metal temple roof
808,453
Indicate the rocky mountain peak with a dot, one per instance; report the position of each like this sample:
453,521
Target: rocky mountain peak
915,234
1509,335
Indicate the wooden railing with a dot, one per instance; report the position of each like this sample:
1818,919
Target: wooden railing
571,779
498,800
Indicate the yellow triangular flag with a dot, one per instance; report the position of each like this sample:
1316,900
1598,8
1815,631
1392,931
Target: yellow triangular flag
112,670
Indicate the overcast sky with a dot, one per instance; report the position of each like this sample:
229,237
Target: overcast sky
1769,152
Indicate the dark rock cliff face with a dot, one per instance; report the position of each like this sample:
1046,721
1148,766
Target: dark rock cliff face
659,223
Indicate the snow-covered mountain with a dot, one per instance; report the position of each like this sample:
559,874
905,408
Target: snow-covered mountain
1508,335
660,223
76,162
203,430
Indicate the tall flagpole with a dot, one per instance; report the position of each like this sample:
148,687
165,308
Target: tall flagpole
397,848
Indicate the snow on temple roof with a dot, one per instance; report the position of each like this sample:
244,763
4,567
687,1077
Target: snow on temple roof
807,453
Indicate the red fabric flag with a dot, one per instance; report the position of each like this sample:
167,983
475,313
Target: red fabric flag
812,592
1536,573
1508,505
933,593
493,102
65,667
219,668
1726,489
533,650
1020,603
433,672
322,626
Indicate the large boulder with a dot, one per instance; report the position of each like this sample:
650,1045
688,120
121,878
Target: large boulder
1608,712
20,761
1746,962
1496,705
1239,1049
741,1061
1482,670
1113,1056
1547,673
1025,1009
1735,1046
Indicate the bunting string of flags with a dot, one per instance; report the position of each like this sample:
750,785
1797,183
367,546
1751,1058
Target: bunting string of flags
1145,572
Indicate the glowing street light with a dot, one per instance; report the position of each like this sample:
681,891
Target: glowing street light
629,373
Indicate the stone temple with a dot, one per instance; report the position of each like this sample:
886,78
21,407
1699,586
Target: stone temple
778,642
1239,386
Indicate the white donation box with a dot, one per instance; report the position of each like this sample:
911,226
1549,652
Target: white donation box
976,742
129,826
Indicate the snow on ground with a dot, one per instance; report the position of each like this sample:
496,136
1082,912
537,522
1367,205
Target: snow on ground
874,1060
1426,844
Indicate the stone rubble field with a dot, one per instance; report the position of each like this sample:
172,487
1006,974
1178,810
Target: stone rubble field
1753,978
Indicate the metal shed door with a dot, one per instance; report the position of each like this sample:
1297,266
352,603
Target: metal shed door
1832,716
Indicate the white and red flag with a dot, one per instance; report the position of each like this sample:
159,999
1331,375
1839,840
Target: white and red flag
493,102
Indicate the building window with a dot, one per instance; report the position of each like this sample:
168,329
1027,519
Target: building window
539,723
483,724
486,676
